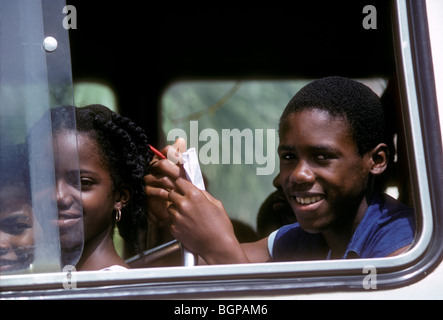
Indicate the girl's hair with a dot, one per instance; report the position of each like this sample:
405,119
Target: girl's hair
124,147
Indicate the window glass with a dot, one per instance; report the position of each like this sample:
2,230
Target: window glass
233,126
34,237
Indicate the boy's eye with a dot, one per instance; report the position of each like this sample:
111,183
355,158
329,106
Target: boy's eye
287,156
323,157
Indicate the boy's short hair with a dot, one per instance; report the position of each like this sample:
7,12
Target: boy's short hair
343,97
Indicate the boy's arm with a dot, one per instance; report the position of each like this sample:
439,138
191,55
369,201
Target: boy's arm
399,251
199,221
257,251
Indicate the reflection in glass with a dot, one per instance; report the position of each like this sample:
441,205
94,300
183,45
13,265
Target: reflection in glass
17,224
32,81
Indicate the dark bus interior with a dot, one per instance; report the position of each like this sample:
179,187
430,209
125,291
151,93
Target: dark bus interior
139,48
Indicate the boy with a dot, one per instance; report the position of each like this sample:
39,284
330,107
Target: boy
331,148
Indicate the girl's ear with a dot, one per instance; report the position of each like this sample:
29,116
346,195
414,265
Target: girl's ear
123,196
379,159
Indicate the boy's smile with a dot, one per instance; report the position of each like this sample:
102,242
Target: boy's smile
321,172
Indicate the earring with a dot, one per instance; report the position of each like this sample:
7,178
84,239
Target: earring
118,215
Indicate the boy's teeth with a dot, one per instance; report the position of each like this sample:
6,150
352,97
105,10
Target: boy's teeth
308,200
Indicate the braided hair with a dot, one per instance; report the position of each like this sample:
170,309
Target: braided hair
125,148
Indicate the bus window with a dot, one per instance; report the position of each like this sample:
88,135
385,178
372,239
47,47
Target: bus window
202,110
35,76
89,92
233,126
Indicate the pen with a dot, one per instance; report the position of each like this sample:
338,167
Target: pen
158,153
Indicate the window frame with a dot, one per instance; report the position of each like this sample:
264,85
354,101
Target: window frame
266,279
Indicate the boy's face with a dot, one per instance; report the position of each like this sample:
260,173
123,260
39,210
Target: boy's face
321,173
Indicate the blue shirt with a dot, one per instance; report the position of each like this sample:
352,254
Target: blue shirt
387,225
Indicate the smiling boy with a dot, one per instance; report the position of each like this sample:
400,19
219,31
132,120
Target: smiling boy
331,148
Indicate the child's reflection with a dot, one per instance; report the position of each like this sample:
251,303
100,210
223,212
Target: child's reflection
16,218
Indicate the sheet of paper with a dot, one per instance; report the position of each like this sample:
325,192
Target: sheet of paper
192,168
194,174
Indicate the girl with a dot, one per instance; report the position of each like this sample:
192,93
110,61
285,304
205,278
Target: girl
113,156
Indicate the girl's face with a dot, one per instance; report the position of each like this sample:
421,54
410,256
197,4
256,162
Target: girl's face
321,173
97,196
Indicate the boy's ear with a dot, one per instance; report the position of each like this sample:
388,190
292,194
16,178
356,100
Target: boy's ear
379,159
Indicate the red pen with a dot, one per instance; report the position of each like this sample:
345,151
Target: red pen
158,153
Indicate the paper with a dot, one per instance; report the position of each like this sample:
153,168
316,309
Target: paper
192,168
194,174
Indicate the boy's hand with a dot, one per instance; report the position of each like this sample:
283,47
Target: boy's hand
196,219
161,180
201,224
